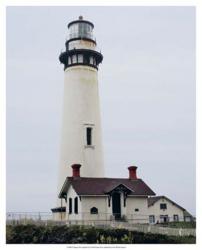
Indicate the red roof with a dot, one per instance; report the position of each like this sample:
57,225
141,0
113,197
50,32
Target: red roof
102,186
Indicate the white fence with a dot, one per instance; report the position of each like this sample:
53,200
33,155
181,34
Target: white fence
43,218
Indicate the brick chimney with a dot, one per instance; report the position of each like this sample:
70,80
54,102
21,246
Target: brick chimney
76,170
132,172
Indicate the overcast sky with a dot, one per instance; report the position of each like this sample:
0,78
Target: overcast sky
147,97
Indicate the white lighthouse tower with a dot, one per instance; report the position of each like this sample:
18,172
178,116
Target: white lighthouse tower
81,140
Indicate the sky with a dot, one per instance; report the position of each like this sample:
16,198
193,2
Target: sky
147,98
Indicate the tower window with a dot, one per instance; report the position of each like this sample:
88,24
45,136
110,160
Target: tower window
89,136
80,58
69,60
70,205
91,60
74,59
76,205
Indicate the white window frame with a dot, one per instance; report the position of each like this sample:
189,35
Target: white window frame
175,216
92,126
151,219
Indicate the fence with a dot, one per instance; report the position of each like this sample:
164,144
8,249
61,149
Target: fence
132,223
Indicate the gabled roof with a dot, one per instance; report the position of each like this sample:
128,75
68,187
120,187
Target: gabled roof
102,186
153,200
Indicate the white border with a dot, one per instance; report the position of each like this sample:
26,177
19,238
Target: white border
3,5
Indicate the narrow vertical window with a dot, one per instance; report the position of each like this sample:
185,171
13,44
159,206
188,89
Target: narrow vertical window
91,60
89,136
76,205
70,205
74,59
80,58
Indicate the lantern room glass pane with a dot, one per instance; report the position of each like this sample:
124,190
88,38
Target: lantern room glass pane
83,30
80,58
74,30
91,60
74,59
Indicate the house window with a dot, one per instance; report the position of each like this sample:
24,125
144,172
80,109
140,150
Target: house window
136,209
151,219
94,210
70,205
124,201
163,206
176,217
89,136
76,205
109,201
187,218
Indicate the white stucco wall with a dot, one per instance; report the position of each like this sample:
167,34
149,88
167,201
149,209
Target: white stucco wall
170,211
80,44
104,211
81,109
140,203
100,202
59,216
72,194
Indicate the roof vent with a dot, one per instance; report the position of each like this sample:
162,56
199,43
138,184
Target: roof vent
80,17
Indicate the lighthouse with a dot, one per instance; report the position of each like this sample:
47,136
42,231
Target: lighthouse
85,195
81,140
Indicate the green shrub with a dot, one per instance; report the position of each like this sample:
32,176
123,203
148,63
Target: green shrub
80,234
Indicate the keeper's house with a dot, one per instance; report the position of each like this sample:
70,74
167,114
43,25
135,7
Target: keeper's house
101,199
161,209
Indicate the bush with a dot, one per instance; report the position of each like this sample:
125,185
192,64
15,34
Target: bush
80,234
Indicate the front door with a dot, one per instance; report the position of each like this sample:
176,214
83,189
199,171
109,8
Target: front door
164,218
116,205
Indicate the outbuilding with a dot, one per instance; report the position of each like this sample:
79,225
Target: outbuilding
162,210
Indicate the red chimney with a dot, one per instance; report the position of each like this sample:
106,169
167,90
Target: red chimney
76,170
132,172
